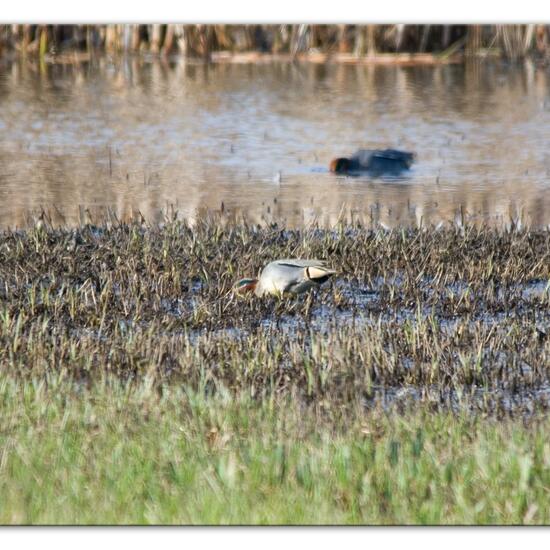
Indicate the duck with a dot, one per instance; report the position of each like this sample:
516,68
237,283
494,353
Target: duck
289,276
376,162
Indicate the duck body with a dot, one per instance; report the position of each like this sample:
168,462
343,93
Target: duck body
292,276
375,162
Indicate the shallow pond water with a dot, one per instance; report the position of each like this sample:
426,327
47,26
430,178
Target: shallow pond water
136,135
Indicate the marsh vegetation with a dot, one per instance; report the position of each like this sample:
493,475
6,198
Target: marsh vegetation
205,41
137,388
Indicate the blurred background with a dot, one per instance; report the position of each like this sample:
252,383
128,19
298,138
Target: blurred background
179,120
510,41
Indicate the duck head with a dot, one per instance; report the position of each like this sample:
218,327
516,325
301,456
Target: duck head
245,286
339,165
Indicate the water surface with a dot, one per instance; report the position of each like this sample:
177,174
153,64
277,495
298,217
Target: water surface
152,137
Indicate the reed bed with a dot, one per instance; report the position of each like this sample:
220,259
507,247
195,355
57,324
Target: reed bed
202,41
136,388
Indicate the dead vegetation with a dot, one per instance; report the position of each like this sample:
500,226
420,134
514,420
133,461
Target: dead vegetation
458,317
201,41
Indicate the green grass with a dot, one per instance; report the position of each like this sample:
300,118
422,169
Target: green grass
121,453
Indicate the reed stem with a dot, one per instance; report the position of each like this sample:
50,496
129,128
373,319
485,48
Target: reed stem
510,41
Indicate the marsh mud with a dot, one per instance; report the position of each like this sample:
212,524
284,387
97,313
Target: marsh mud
458,317
126,136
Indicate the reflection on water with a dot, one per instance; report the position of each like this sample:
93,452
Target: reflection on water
150,137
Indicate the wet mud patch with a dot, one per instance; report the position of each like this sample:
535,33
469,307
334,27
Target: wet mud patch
413,315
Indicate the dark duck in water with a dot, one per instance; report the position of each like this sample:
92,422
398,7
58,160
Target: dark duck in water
374,162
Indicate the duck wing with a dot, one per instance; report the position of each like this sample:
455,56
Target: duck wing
299,263
394,154
366,157
313,271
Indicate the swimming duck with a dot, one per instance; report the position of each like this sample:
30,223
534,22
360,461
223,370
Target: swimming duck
373,161
283,276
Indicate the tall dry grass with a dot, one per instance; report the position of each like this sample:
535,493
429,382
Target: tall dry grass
511,41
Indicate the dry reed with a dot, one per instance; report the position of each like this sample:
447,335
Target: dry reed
511,41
